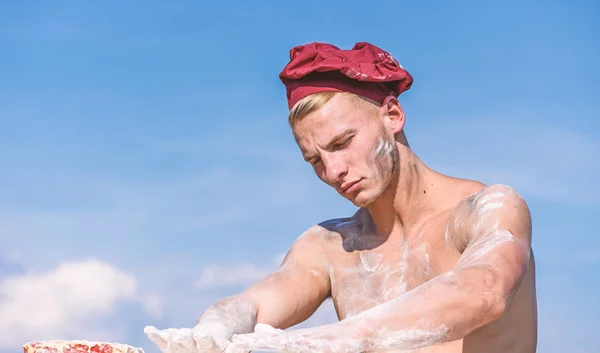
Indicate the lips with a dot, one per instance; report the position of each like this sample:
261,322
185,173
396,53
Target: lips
347,186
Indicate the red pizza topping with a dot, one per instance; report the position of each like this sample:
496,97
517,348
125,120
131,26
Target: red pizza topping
101,348
76,348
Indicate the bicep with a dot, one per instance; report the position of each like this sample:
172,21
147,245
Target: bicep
498,239
295,291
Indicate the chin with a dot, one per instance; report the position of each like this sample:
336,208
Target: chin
367,196
363,199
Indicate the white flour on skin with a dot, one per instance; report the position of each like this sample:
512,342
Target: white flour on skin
381,281
419,334
316,340
490,206
484,207
377,339
477,251
213,331
383,147
370,261
375,281
487,232
409,339
426,266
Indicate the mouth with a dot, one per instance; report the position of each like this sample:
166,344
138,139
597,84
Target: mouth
350,187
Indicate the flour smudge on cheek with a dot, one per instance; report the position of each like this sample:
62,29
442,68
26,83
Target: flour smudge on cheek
384,157
383,147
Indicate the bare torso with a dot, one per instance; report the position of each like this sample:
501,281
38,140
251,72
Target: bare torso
365,271
397,290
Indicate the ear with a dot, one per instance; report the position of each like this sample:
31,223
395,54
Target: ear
394,114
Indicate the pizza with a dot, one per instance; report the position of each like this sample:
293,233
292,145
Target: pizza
57,346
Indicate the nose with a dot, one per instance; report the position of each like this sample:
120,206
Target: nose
335,168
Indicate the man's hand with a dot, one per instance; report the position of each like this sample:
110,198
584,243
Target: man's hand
334,338
196,340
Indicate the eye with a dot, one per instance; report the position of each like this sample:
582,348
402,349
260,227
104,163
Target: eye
314,161
344,143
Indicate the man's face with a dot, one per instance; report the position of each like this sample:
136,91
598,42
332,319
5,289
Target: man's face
351,148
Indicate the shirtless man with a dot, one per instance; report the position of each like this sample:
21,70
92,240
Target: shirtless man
428,263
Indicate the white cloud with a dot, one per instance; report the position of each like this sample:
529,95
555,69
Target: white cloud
67,302
154,305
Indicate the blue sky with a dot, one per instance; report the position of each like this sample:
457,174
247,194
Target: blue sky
145,149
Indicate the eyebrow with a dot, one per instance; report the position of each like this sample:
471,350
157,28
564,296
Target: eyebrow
335,140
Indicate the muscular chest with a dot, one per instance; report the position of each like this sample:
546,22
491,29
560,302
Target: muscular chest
363,279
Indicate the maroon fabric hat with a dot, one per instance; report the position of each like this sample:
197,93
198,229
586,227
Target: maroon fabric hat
365,70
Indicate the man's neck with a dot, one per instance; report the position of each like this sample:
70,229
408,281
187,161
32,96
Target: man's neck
407,199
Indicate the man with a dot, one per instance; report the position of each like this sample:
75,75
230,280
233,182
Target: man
428,263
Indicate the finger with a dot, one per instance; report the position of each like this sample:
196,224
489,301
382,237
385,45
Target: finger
246,341
183,339
193,340
205,344
298,344
268,344
243,339
234,348
265,328
167,336
154,335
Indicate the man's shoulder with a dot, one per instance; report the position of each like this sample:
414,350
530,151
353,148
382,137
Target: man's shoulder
313,245
473,193
489,197
329,230
480,202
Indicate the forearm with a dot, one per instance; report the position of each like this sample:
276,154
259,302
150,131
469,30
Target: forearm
232,315
444,309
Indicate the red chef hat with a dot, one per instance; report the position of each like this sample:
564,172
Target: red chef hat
365,70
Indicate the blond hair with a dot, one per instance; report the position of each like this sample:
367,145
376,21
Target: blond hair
308,105
317,100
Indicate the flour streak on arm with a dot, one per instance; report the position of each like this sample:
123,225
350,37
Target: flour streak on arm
497,236
494,227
